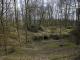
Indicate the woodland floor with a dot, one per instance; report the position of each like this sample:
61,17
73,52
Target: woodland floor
45,50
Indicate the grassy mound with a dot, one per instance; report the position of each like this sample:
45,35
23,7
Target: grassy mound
35,28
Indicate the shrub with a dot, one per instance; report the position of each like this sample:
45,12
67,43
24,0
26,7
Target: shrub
46,37
55,36
69,27
61,45
40,37
35,28
37,38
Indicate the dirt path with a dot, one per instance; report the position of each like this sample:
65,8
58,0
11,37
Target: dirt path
42,53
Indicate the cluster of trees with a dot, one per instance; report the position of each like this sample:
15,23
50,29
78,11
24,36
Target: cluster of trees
22,14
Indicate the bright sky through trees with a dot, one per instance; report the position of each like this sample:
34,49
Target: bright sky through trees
53,3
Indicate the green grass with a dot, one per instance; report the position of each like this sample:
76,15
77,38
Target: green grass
56,45
52,45
70,45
